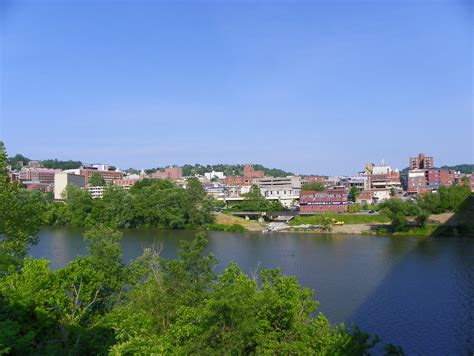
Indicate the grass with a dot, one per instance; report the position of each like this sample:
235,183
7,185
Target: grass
225,227
346,218
249,225
426,230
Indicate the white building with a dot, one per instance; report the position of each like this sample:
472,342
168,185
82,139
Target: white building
214,174
359,182
381,194
97,191
62,179
285,189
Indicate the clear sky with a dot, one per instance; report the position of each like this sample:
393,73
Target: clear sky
311,87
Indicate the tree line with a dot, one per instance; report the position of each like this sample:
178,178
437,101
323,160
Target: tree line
150,203
403,213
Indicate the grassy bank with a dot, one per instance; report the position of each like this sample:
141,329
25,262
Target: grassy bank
248,225
346,218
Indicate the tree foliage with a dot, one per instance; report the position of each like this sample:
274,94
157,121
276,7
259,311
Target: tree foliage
149,203
255,201
229,169
316,186
96,180
20,217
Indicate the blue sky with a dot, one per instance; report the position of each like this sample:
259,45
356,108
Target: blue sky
311,87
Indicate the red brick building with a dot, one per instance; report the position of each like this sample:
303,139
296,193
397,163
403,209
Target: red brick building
421,162
37,175
109,176
249,172
249,177
125,183
335,200
173,173
238,181
439,178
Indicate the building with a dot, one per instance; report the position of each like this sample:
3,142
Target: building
214,175
439,178
284,189
416,181
96,192
62,179
420,162
43,187
249,172
216,190
381,176
365,197
37,175
238,181
109,176
471,181
249,177
126,183
313,179
34,164
359,182
334,200
172,173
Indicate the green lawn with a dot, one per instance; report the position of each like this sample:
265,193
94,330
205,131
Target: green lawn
346,218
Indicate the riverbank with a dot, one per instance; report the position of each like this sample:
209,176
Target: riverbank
248,225
367,225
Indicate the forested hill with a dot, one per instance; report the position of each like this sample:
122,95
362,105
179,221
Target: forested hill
463,168
188,169
47,163
231,169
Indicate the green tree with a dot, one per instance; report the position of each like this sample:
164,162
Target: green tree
393,192
232,314
327,222
96,180
199,204
79,205
316,186
254,200
354,192
397,211
115,208
20,217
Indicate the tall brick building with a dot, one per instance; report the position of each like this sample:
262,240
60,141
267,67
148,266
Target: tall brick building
249,177
421,162
249,172
173,173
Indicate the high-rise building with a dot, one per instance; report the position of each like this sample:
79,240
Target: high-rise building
421,162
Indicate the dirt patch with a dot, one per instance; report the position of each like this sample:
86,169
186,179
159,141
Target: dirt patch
441,218
247,224
352,228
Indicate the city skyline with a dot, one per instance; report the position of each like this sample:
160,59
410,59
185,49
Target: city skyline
305,87
363,166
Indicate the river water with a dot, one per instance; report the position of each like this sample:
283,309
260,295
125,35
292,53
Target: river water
414,292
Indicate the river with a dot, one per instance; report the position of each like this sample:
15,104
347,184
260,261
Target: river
414,292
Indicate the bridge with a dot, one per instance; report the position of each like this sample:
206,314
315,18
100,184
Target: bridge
267,215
